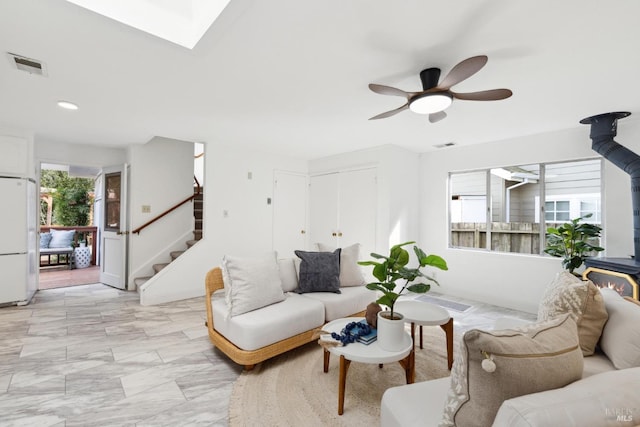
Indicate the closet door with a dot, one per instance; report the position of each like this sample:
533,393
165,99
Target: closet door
289,213
357,210
343,209
323,209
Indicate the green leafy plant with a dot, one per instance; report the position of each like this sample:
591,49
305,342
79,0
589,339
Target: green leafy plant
392,268
72,200
571,242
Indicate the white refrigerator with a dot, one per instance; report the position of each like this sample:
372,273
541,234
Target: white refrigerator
18,250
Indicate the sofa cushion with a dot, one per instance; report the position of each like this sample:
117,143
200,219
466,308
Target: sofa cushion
45,239
61,238
414,405
288,274
582,300
597,363
350,270
621,335
319,271
258,328
350,301
251,282
536,357
608,399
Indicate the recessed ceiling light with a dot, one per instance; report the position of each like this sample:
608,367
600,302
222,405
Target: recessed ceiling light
67,105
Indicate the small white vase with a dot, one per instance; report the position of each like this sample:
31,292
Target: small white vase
391,332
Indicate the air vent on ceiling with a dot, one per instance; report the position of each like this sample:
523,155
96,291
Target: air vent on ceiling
446,144
31,66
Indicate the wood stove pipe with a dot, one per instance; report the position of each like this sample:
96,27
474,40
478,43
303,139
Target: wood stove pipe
603,130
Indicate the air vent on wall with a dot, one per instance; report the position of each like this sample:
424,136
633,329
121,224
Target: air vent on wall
31,66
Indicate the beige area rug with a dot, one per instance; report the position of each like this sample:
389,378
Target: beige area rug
292,389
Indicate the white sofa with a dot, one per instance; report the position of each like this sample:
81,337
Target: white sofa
257,335
607,394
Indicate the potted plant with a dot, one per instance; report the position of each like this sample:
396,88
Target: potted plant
390,269
571,242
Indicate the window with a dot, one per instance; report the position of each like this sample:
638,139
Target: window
112,202
499,209
557,211
591,207
468,209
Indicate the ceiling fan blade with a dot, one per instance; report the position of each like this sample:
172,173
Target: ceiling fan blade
484,95
388,90
390,113
462,71
436,117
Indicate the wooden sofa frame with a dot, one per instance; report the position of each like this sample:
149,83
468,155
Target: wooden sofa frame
248,358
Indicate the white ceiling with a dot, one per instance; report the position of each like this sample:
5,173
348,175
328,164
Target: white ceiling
291,76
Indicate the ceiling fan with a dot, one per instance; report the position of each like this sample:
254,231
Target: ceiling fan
436,97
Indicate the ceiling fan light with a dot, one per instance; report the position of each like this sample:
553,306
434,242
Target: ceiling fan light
430,103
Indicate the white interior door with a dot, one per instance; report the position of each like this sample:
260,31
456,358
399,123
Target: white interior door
358,207
323,209
114,230
289,213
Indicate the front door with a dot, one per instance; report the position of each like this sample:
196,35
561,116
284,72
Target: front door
114,231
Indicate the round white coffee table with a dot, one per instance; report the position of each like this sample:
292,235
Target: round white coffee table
426,314
358,352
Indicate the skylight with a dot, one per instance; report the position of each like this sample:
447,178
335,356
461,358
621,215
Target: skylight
183,22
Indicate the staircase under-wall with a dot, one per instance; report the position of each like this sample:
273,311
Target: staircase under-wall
197,235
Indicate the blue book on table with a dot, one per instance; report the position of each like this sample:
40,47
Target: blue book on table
370,337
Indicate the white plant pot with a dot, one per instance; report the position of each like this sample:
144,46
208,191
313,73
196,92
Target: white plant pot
391,332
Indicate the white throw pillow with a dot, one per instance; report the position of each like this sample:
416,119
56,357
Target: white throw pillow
252,283
620,339
61,238
350,271
288,274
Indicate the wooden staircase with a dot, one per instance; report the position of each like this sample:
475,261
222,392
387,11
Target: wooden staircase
197,235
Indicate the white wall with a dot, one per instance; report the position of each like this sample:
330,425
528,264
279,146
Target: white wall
517,281
245,230
78,154
161,175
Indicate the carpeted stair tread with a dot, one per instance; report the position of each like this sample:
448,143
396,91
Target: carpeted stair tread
139,281
176,254
158,267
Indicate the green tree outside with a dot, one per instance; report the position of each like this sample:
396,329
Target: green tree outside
71,197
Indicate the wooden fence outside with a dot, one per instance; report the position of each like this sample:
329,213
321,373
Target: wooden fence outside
518,237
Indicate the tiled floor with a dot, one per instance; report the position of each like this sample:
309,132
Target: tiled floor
92,356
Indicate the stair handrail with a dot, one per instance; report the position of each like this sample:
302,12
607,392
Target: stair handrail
171,209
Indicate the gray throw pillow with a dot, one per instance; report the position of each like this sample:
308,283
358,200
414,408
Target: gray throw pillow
45,239
319,272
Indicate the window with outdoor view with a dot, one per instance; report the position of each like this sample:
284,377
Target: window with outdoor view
500,209
112,202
